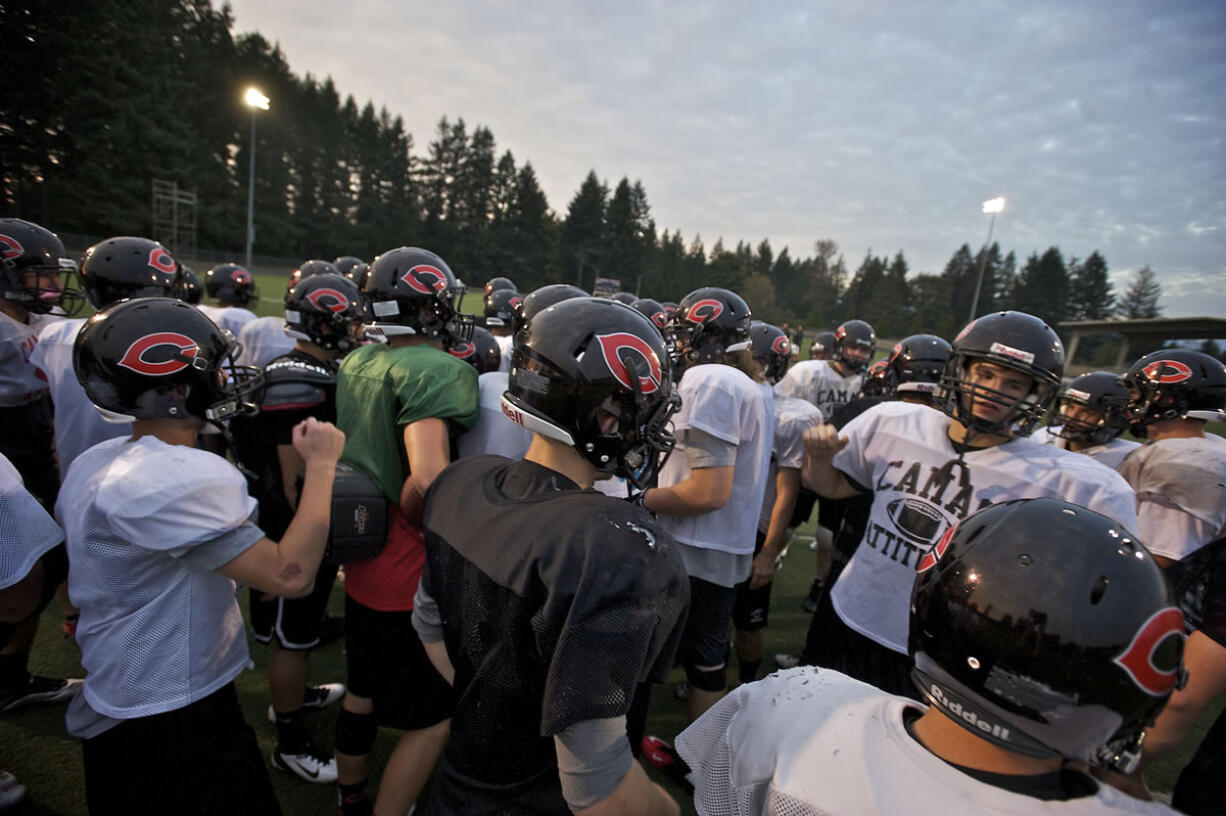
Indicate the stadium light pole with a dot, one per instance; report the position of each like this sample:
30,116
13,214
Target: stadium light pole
993,206
256,101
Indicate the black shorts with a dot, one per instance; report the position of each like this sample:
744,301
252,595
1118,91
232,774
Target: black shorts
751,609
55,572
704,642
200,759
387,664
294,622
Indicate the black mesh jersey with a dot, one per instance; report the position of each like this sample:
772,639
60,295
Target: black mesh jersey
555,602
1199,582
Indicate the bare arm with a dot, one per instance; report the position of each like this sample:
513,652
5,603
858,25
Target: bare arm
426,445
787,485
1205,660
437,652
819,474
635,794
703,491
291,462
288,567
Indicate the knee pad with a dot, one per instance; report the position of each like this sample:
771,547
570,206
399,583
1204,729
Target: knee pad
355,733
707,679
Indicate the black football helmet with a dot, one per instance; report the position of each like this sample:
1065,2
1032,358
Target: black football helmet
1101,391
855,343
771,348
482,351
231,285
877,381
1048,629
306,269
131,357
623,297
127,267
670,308
190,289
500,306
30,257
653,310
324,309
593,374
345,265
917,362
538,300
412,291
822,346
1014,340
709,323
493,284
1175,384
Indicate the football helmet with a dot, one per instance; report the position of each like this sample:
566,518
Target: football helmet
593,374
345,265
31,259
308,268
412,291
1048,629
771,348
482,351
190,289
876,381
127,267
916,363
493,284
1100,391
500,306
538,300
623,297
324,309
1014,340
822,346
709,323
231,285
855,343
1175,384
653,310
670,308
159,357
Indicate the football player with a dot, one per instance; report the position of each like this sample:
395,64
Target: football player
1180,473
233,289
500,306
322,315
401,403
927,470
822,346
545,601
159,533
1043,638
1089,418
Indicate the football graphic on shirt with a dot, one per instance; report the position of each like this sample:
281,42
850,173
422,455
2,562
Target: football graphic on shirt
915,519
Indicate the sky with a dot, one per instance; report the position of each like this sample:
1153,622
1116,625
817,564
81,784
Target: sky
880,124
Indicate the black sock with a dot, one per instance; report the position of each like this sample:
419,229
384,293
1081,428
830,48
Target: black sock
13,672
353,800
749,670
292,736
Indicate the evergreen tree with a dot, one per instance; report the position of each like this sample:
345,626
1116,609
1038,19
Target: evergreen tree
1091,297
583,234
1042,287
1140,300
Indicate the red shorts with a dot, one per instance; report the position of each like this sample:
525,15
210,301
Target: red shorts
389,581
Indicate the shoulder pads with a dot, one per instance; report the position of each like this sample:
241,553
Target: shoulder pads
290,384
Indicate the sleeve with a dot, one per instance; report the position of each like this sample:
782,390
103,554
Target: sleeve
593,758
27,531
706,747
716,410
702,450
1167,530
789,435
792,385
446,390
427,619
853,460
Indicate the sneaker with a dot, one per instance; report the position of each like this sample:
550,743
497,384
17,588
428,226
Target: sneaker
682,692
787,661
38,689
815,595
69,627
11,791
664,758
312,764
315,697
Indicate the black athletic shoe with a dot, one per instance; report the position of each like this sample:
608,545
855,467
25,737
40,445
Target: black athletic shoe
38,690
815,594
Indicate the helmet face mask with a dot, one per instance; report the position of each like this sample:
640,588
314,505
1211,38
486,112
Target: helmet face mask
1091,409
35,270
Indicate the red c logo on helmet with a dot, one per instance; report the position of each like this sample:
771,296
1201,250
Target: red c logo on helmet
425,279
704,310
515,301
931,557
463,351
781,346
135,357
240,275
611,347
161,260
660,319
328,300
965,330
1167,371
11,249
1138,659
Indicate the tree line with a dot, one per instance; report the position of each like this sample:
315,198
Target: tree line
103,97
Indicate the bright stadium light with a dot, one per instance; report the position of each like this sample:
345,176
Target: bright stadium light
256,101
993,206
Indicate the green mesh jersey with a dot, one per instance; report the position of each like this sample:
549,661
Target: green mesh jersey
380,389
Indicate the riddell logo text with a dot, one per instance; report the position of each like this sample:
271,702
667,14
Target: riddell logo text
968,717
360,516
512,414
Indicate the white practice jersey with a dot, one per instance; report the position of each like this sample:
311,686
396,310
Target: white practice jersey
921,486
264,340
27,532
724,402
817,382
505,345
78,423
148,524
1181,493
1109,455
493,432
230,318
20,382
792,417
813,742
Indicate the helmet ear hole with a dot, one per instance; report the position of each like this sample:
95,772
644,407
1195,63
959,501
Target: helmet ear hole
1099,589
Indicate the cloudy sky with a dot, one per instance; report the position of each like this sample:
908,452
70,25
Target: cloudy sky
882,124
